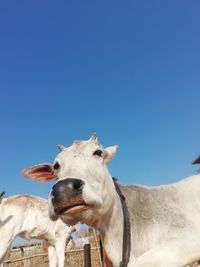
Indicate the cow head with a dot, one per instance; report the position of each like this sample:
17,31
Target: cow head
84,189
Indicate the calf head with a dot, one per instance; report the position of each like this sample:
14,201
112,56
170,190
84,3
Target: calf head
84,190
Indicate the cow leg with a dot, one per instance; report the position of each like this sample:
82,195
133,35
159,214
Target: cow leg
52,256
176,253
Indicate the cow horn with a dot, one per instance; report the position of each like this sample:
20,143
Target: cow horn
93,138
61,147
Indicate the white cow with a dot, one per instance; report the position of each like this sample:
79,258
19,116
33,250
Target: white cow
27,216
165,220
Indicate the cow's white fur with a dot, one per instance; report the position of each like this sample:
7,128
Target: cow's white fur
165,220
27,216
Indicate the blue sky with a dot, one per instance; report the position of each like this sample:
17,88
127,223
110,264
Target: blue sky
127,70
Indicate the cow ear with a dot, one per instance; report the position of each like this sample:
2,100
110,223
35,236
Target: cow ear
41,172
110,152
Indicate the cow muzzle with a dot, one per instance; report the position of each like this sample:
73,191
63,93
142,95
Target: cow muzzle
66,197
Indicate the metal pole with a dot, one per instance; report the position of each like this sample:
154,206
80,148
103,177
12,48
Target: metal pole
87,256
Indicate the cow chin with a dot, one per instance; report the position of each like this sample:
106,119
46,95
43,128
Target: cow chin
88,217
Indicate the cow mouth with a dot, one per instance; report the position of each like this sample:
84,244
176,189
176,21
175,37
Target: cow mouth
72,209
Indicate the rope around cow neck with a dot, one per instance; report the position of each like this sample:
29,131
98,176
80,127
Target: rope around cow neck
126,247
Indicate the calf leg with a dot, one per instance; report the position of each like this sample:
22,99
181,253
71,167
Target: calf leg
52,256
60,252
4,250
7,235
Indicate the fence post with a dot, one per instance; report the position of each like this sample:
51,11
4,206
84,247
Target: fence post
101,253
87,255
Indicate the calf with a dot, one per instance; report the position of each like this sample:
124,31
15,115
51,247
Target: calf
27,216
164,220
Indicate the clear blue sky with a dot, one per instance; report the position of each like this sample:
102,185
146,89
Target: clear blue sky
127,70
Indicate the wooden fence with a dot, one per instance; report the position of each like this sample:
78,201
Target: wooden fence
36,255
74,258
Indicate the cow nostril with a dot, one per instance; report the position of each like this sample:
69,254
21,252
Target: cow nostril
77,184
52,193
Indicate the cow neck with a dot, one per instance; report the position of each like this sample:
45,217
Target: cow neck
126,245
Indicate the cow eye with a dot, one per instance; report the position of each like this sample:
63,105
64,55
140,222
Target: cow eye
56,166
98,153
